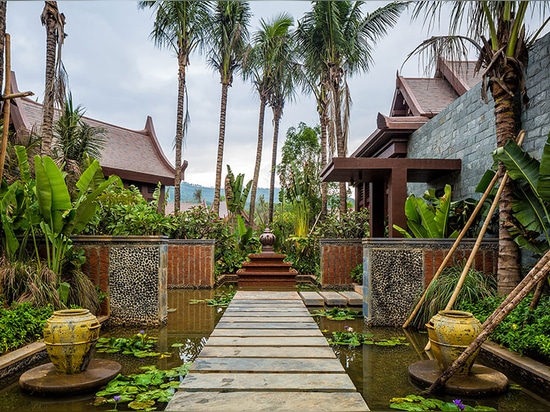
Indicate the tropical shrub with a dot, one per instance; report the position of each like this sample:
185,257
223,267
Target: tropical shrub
21,324
525,330
477,286
433,217
531,204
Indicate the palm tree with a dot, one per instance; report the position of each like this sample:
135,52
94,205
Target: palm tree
228,37
269,53
336,41
179,26
283,91
55,79
497,31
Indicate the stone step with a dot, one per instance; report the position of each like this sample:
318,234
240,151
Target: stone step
312,299
354,298
245,401
316,382
334,299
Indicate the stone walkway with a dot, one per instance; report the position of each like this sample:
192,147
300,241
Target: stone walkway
267,354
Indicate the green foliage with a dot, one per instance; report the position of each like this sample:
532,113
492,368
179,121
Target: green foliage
531,205
352,225
22,324
139,345
142,391
435,218
353,339
357,274
525,331
198,223
222,298
338,313
477,286
125,212
235,193
419,403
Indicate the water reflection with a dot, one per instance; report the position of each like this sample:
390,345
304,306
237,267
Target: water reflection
379,372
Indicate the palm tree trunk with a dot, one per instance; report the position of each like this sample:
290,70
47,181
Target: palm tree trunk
323,120
49,14
221,140
340,146
179,137
509,273
277,113
258,162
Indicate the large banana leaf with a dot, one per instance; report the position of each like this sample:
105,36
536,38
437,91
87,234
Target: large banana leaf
543,183
533,188
52,193
442,212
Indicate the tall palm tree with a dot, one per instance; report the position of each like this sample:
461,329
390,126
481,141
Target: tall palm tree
336,40
179,26
227,38
497,31
270,51
55,78
283,90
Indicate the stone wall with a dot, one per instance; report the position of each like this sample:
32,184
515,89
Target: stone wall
396,272
132,271
338,258
466,129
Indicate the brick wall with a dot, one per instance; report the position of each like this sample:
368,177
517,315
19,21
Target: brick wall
191,263
338,258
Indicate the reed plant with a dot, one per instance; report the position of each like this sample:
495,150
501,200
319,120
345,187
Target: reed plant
477,286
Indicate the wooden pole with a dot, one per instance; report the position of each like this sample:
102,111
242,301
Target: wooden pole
453,248
7,103
6,126
535,275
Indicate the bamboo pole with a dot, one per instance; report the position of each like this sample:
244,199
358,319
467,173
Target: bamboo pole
453,248
6,126
7,104
471,258
535,275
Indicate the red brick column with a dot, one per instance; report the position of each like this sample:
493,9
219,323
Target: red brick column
191,263
338,258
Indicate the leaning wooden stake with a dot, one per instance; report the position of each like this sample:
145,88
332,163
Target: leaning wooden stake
534,276
453,248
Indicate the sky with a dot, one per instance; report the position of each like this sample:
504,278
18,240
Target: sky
119,77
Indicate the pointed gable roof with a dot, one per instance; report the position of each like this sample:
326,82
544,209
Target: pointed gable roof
133,155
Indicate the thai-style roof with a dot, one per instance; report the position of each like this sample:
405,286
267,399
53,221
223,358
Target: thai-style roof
133,155
379,165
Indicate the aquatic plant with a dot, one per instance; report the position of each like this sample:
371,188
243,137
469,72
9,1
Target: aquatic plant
419,403
338,313
139,345
353,339
144,390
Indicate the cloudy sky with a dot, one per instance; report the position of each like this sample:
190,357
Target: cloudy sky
120,77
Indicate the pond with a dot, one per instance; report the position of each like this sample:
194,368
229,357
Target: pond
379,372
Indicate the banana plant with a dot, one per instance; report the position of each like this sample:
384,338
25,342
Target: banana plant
235,193
532,201
61,215
428,217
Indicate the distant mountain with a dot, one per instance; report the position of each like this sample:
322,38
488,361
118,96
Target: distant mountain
188,190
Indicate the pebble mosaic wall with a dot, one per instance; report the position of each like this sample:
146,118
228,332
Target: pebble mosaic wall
396,271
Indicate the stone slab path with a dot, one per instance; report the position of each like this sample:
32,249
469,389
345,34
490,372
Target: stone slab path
267,354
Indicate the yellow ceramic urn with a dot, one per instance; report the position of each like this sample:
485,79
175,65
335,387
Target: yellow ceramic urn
70,335
450,332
